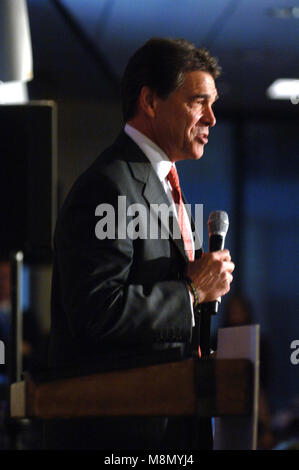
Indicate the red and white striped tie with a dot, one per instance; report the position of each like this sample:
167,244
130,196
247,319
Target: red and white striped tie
173,178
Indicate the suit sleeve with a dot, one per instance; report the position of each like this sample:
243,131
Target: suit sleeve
100,300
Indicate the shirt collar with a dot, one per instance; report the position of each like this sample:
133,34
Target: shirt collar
159,160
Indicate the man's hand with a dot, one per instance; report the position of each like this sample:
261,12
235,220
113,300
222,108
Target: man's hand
211,275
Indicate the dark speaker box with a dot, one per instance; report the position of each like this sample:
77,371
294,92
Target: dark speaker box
28,182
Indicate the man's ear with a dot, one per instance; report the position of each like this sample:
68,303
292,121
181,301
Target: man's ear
147,101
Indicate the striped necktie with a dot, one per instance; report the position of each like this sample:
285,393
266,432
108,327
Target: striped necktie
173,178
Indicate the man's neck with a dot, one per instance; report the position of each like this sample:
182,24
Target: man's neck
142,127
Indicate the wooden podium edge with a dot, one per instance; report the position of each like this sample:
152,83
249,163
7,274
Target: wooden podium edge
207,387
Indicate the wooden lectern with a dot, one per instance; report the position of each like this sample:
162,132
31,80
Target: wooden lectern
207,387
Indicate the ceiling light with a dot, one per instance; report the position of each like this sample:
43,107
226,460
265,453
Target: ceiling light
283,13
295,12
284,89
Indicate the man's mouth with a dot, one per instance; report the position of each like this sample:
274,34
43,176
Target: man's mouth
203,139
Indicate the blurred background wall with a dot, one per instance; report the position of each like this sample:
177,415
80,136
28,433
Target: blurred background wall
80,49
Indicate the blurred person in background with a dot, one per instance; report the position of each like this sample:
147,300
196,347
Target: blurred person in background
239,313
31,330
25,435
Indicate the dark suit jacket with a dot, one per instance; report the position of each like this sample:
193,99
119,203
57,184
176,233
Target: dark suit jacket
115,296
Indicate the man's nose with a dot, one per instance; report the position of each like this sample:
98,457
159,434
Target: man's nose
208,118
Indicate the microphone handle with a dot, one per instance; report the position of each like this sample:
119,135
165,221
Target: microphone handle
216,242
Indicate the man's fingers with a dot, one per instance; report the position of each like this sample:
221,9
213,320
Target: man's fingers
222,255
224,276
220,267
225,255
228,266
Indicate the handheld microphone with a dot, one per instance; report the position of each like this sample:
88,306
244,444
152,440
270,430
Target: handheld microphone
218,226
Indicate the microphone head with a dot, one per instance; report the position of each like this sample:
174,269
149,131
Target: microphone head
218,223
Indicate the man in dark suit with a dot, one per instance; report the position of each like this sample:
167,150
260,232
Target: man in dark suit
117,289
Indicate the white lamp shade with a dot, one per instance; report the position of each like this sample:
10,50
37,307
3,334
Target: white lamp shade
15,42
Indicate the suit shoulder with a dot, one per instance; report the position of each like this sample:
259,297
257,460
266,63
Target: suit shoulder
111,172
114,162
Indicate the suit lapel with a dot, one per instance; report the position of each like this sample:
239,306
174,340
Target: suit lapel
153,191
155,197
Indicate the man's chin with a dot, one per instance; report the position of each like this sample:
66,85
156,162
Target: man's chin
197,153
191,154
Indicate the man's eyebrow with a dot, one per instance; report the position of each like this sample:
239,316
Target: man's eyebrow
204,95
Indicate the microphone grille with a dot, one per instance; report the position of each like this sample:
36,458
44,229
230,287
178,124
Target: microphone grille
218,222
